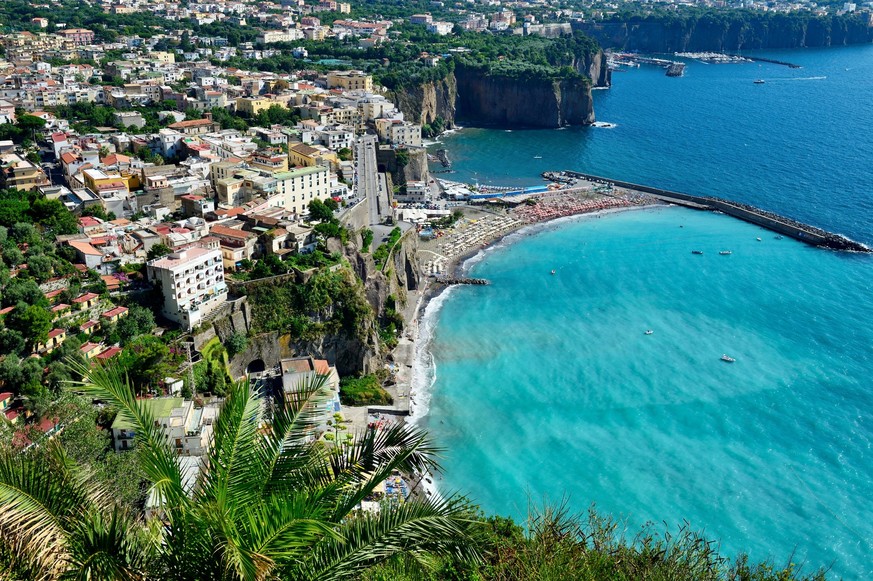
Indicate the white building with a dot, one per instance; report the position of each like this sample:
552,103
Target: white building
441,28
188,428
416,193
302,185
399,132
192,282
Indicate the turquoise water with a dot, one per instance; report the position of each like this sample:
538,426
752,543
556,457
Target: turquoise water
547,385
801,144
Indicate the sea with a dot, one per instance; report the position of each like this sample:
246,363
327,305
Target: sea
546,388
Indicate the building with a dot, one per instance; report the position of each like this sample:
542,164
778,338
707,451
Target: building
350,81
398,132
420,19
193,205
127,119
192,282
441,28
78,36
19,174
415,193
302,185
297,370
195,126
236,244
187,428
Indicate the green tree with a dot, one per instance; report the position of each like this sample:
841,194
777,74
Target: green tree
236,343
318,211
138,321
269,504
158,250
32,321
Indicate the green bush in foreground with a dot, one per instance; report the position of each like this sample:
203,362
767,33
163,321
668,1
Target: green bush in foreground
557,546
364,390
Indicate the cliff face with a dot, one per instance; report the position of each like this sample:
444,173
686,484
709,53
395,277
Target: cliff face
728,35
493,100
424,103
594,67
415,170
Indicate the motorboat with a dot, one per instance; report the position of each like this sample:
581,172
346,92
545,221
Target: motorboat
758,239
538,157
725,252
727,359
553,272
649,332
697,252
759,81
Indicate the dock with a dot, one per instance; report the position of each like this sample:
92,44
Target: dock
780,224
450,280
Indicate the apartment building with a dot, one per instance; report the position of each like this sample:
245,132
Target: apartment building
302,185
192,282
20,174
187,428
398,132
350,81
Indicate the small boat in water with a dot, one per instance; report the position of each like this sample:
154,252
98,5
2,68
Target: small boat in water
538,157
697,252
758,239
759,81
553,272
649,332
727,359
725,252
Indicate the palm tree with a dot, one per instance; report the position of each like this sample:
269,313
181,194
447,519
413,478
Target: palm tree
268,502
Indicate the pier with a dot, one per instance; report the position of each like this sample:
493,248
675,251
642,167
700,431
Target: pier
450,280
780,224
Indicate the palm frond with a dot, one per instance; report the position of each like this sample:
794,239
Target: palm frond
158,459
106,547
38,500
376,454
417,528
232,475
287,452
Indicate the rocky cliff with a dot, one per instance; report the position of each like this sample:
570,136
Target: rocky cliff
424,103
729,33
350,353
594,67
502,101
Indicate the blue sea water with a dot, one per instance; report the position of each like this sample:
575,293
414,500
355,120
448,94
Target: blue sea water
547,385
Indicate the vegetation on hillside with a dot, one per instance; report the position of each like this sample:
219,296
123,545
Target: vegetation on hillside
366,390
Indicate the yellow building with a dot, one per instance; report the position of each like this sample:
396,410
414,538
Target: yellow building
20,174
350,81
166,58
251,106
303,155
100,182
271,160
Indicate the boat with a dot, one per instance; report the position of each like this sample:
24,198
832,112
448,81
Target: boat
538,157
553,272
649,332
727,359
759,81
725,252
778,237
697,252
758,238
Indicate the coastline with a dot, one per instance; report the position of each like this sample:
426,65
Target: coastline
420,319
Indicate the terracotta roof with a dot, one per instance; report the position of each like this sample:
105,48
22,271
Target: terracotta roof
88,324
53,294
84,248
111,352
68,157
114,312
55,332
5,395
88,347
85,298
6,310
224,231
190,123
60,307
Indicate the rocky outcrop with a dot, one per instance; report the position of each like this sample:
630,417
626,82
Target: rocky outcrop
594,67
425,102
411,169
492,100
723,33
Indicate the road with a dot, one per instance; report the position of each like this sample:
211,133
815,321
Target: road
369,182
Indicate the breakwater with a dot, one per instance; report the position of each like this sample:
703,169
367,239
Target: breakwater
780,224
449,280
